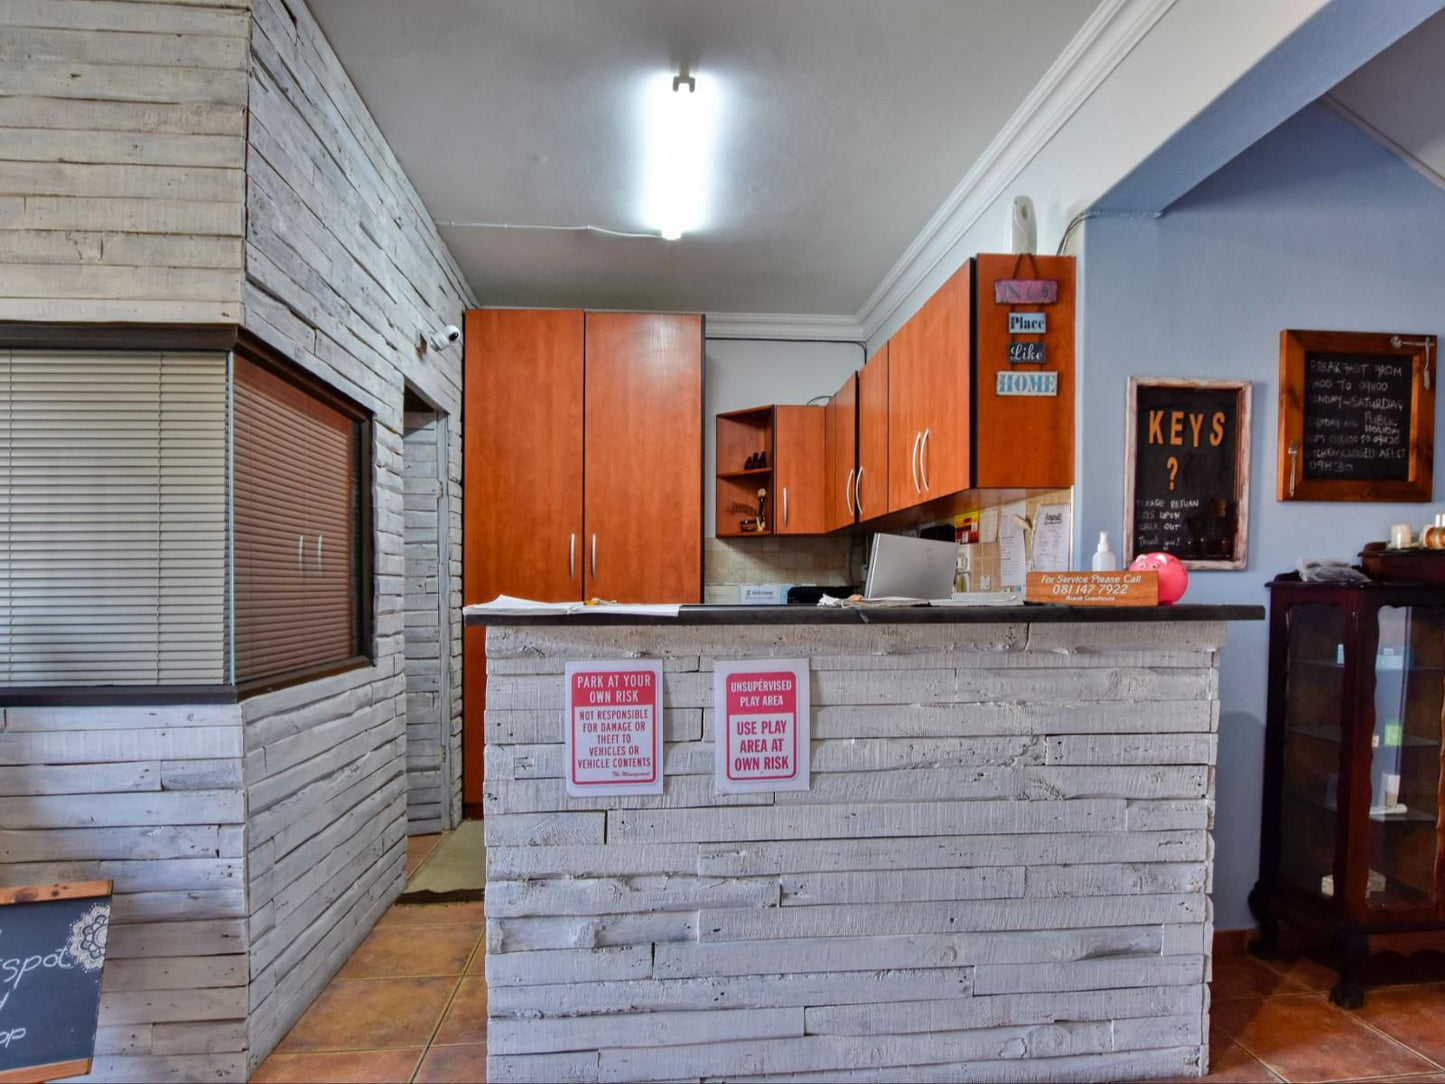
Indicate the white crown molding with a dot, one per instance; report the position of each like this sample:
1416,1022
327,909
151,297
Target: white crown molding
1101,44
783,325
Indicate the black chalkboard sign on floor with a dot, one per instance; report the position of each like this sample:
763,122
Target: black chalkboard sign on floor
52,951
1356,416
1187,471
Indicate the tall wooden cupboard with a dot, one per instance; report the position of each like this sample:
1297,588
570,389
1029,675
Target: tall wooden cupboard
582,469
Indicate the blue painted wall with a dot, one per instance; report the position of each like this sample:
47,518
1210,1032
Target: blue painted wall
1316,226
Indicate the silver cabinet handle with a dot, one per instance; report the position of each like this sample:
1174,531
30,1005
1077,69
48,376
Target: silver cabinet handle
858,492
594,556
785,506
301,554
848,492
318,553
917,438
923,457
572,557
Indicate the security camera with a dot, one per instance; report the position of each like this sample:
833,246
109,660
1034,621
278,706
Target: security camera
440,340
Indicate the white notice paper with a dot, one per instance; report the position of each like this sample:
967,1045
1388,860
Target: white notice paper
762,729
613,727
1013,553
1053,532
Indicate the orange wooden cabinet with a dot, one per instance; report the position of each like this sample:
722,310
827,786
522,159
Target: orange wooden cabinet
565,501
799,439
840,456
930,398
870,485
1024,441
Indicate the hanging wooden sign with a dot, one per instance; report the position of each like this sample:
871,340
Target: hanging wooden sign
1028,323
1026,383
1356,417
1025,291
1186,471
1026,353
1124,588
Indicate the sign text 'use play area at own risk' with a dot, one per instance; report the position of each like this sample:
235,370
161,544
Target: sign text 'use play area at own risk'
761,725
614,730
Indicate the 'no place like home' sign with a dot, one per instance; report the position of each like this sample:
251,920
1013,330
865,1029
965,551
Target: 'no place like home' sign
614,729
762,725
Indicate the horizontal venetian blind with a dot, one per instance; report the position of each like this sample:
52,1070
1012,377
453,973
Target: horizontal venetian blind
296,511
112,518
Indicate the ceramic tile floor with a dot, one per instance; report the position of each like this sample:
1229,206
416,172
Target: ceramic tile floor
411,1005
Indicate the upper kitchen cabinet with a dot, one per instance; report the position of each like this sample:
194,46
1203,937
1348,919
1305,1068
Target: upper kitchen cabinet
771,460
1024,408
643,477
870,484
930,391
840,456
799,438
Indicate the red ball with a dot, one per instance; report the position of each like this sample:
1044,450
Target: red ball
1173,576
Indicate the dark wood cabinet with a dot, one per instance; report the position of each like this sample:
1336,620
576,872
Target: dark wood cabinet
1351,837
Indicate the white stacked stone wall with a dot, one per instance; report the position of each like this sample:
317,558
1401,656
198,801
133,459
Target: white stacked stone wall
1000,873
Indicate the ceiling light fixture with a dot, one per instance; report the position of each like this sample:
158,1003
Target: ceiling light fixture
680,122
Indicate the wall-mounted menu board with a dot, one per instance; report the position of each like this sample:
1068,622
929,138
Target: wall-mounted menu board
1356,416
52,952
1186,476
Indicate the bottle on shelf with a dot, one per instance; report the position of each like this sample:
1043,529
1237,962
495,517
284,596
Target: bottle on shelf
1105,560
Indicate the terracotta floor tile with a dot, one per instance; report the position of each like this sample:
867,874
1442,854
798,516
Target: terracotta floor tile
454,1065
370,1014
1242,975
434,914
358,1066
1413,1014
466,1020
1306,1039
478,966
402,951
419,849
1428,1078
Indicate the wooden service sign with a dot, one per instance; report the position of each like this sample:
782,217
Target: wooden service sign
1126,588
52,951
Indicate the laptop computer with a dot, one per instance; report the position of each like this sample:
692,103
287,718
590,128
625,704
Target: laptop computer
914,568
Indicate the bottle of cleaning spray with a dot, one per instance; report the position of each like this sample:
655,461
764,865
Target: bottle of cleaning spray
1105,559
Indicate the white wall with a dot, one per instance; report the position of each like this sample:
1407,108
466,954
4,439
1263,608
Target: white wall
1318,227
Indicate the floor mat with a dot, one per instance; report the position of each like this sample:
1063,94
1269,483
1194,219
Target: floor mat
455,873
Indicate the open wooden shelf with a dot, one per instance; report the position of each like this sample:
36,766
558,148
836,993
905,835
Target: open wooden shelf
742,434
744,473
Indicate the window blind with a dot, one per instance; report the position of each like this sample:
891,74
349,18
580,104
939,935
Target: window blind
112,518
297,502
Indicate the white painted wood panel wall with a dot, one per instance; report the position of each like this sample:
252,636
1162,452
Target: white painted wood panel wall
122,160
344,271
1001,872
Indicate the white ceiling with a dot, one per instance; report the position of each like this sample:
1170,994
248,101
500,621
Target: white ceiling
847,124
1400,97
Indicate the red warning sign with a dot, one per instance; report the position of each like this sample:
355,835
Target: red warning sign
614,740
762,725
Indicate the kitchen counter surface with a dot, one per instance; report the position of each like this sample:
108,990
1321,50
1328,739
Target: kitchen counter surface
882,615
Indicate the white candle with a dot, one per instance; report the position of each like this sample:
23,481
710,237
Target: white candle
1400,536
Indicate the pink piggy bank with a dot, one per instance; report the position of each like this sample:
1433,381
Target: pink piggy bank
1173,576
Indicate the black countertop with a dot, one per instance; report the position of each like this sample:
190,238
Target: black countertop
885,615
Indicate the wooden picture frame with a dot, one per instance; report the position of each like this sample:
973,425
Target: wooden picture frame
1203,426
1382,454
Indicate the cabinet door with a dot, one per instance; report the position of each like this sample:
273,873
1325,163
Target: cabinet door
840,455
798,441
905,432
522,456
942,392
870,487
643,516
1025,441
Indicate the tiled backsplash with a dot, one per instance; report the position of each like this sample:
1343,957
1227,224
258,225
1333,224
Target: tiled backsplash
820,559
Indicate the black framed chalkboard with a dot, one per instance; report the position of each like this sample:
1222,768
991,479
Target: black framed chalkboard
1356,417
52,952
1187,471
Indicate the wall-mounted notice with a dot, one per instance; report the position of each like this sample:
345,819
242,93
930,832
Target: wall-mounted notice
1356,416
762,726
52,952
1186,471
613,727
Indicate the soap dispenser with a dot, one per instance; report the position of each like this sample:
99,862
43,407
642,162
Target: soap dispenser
1104,558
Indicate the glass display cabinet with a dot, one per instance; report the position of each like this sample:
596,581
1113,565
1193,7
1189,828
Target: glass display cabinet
1351,837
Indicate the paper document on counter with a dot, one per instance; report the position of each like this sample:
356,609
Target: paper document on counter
508,606
1052,535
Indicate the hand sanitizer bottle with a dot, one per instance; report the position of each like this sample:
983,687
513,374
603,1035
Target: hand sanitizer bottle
1104,558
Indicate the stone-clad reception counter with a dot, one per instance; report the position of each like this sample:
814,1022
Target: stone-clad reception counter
1001,871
